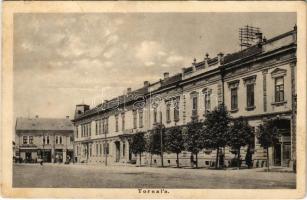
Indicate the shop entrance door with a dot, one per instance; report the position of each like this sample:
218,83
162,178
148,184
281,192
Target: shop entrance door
277,154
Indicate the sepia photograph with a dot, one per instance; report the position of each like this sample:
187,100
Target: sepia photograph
155,101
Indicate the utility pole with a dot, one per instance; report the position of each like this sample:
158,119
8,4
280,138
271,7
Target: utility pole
106,143
161,145
43,157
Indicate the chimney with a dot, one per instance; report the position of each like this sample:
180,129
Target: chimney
67,117
166,75
194,62
36,116
206,60
220,57
146,83
259,37
128,90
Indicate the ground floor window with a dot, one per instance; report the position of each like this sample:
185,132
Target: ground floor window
106,149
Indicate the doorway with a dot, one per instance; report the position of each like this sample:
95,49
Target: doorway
117,144
28,157
277,154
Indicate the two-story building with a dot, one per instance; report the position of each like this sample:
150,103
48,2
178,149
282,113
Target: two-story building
257,83
49,139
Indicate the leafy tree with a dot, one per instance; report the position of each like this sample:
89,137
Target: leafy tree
268,136
174,141
193,139
138,144
154,142
240,134
216,128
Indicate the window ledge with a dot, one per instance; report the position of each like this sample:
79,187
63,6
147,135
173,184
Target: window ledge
168,121
176,120
234,110
278,103
250,108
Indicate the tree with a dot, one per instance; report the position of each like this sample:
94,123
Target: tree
268,136
193,139
154,142
138,144
240,134
216,127
174,141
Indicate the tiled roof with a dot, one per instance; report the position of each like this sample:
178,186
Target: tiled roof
43,124
171,80
118,101
242,54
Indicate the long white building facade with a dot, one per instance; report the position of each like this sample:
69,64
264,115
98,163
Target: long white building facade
257,83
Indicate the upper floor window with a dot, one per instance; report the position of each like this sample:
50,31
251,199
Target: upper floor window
141,118
107,125
60,139
96,127
250,92
279,89
56,140
123,121
250,95
134,119
77,132
234,98
233,86
194,106
24,139
278,75
116,123
89,129
176,110
155,115
207,100
47,139
100,127
161,118
194,97
103,126
30,139
168,112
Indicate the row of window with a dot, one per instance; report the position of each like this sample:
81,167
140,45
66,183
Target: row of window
135,112
102,126
46,140
101,149
250,92
86,130
207,101
27,139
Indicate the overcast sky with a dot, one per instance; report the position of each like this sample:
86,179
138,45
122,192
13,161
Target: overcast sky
61,60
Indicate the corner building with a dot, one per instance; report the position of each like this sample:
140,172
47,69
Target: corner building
49,139
257,83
